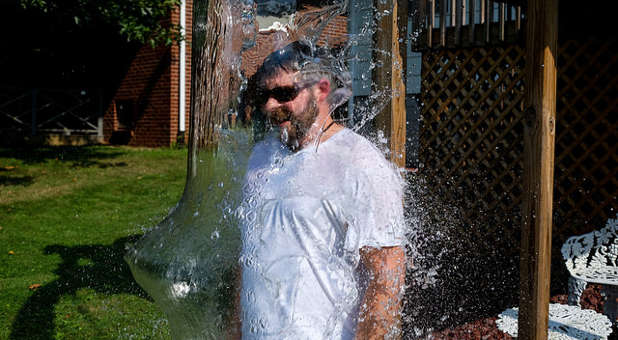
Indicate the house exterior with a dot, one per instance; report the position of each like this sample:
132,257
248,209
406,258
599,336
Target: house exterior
144,111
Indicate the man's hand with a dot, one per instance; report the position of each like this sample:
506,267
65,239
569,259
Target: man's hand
380,308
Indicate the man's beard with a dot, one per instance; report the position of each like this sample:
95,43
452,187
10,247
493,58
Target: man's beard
299,126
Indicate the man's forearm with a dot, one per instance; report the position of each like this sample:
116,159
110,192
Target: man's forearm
379,315
380,308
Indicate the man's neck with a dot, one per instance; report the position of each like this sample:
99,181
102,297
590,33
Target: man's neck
322,129
330,130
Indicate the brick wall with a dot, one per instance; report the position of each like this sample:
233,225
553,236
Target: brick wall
142,102
144,109
334,34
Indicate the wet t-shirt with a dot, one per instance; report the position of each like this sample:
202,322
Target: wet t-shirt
306,215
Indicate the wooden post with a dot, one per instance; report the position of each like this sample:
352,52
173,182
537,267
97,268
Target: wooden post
502,19
482,21
459,10
539,134
432,21
453,12
389,77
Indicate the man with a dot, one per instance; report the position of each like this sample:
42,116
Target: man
322,254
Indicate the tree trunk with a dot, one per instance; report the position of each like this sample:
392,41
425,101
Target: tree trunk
210,74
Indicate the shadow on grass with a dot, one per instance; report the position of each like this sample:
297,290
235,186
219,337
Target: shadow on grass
78,156
19,180
106,272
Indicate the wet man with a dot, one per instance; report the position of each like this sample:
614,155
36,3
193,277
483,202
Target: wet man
323,246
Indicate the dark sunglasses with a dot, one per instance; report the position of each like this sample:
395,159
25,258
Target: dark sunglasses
283,94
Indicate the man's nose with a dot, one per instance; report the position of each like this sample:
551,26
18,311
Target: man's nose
271,104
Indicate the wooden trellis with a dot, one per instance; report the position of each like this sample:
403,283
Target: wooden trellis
472,125
472,132
586,181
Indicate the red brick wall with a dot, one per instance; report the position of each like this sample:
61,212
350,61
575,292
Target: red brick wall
151,84
334,34
145,91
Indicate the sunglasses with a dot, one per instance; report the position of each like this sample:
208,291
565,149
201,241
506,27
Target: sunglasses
283,94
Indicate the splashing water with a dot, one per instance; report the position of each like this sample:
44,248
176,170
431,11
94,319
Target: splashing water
191,262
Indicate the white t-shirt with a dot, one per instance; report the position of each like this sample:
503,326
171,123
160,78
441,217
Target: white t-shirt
306,215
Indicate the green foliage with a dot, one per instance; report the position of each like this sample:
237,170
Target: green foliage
143,21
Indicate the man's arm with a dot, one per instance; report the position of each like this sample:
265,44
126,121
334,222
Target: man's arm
380,308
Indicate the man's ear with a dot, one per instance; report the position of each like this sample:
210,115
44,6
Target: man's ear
324,89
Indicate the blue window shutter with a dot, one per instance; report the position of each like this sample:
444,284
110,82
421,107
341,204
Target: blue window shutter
360,29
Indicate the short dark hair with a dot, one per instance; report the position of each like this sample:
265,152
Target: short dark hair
291,58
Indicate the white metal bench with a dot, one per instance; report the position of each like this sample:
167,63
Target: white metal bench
565,323
593,258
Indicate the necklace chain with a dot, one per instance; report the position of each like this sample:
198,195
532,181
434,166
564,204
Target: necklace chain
328,127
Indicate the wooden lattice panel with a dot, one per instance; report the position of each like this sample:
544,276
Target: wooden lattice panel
585,173
472,126
471,166
472,132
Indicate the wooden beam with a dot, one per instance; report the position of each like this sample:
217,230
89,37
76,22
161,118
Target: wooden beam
502,20
458,13
453,11
389,76
398,112
539,135
402,36
432,22
483,11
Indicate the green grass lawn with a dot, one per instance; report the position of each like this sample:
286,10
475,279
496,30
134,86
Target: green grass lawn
66,214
